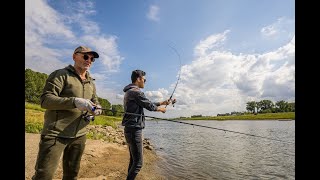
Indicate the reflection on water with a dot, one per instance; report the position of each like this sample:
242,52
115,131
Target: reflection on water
192,152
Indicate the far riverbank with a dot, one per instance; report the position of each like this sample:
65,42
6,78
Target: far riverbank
265,116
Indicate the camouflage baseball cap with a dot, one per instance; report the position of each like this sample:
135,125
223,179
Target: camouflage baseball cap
84,49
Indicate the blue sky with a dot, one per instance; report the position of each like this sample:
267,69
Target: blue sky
231,52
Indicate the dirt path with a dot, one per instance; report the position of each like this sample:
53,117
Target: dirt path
101,161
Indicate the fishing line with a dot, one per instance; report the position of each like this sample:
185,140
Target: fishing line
225,130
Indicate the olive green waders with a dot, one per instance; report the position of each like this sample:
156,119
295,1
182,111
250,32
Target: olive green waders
50,150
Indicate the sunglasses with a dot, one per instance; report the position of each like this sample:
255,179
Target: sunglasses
144,80
86,57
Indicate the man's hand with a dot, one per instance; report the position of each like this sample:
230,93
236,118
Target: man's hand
98,110
84,104
162,109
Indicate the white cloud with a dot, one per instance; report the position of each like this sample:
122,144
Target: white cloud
157,95
213,41
41,23
269,30
42,59
45,21
89,27
281,28
153,13
106,46
108,93
85,7
220,81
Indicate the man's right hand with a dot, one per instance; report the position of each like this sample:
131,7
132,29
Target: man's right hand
84,104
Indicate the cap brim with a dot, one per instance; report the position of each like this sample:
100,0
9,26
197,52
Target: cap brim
95,54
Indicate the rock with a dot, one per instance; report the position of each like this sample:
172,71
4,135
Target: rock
106,133
148,147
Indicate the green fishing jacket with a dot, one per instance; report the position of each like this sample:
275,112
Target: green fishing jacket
62,118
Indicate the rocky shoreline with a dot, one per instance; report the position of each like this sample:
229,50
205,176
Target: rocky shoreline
109,134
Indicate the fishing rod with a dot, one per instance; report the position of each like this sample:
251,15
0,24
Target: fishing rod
178,75
225,130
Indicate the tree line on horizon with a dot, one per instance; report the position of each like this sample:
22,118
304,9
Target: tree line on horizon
261,107
267,106
35,81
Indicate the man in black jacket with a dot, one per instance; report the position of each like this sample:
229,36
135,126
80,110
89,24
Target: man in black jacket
134,121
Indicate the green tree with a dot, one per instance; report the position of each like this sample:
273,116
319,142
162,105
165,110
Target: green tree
117,110
251,106
34,83
282,106
292,107
265,106
105,104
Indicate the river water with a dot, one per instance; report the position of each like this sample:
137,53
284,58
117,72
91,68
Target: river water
190,152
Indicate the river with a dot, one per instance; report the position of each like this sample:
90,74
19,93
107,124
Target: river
191,152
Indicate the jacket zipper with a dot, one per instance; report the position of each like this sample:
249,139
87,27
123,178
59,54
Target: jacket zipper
75,133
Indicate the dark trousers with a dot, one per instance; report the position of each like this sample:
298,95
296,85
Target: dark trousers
50,150
134,140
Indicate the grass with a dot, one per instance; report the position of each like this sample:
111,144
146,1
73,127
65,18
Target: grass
106,121
266,116
34,117
33,106
33,120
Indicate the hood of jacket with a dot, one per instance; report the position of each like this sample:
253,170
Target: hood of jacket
73,70
129,86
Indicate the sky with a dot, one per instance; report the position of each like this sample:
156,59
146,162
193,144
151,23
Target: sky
218,54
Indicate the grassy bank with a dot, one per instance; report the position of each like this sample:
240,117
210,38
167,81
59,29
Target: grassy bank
266,116
34,117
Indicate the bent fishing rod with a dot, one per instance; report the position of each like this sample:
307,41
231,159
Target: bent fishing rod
178,75
225,130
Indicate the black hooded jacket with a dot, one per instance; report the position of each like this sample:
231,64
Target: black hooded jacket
134,101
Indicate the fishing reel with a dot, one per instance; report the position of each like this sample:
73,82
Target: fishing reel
87,117
173,102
